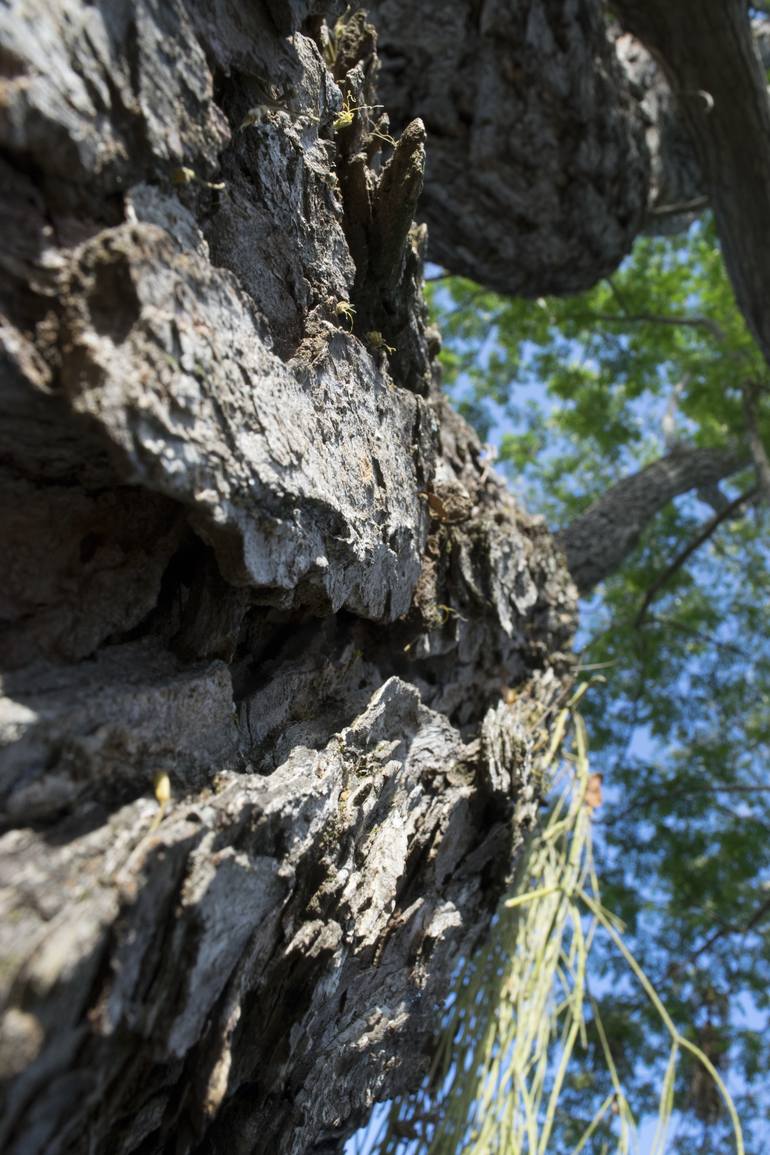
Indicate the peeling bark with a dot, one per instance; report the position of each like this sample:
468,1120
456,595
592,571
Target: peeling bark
253,550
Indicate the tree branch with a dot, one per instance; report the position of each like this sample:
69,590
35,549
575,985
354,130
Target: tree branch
672,624
640,802
598,541
694,321
700,538
758,453
731,928
674,210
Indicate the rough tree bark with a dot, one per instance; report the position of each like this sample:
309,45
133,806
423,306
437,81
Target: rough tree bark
556,135
538,171
248,550
251,550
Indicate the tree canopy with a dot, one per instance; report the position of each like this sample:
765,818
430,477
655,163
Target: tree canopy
576,394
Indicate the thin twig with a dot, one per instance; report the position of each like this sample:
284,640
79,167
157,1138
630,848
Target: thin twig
680,207
694,321
731,928
750,391
640,801
672,623
619,297
708,529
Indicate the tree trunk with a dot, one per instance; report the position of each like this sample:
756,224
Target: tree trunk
251,557
713,65
556,136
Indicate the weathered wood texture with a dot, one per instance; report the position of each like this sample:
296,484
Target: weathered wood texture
251,549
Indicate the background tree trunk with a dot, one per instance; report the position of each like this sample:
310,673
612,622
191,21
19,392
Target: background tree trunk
249,551
720,82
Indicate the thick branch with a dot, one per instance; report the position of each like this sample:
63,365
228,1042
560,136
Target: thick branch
599,540
708,53
538,171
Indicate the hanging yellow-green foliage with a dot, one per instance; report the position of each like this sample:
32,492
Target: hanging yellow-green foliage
517,1021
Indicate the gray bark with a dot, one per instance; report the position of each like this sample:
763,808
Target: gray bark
556,137
597,542
675,193
678,190
254,552
538,172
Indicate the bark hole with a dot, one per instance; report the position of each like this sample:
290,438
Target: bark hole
112,301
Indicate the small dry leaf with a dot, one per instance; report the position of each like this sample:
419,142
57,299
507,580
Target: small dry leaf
437,507
593,796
